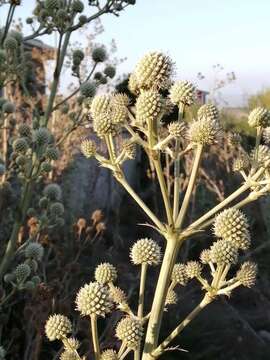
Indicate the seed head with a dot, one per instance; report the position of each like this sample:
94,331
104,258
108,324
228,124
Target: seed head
204,131
110,71
77,6
103,125
105,273
41,136
133,84
100,104
149,106
241,163
205,256
57,327
52,153
117,295
153,71
247,274
57,209
88,148
171,298
193,269
176,129
145,251
130,331
99,54
93,299
119,113
259,117
78,54
208,111
179,274
88,89
109,354
20,145
34,251
52,192
182,92
24,130
22,272
231,225
10,43
223,253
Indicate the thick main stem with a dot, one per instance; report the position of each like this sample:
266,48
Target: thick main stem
94,332
153,328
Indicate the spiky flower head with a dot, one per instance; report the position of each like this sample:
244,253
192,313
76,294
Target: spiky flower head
204,131
24,130
100,104
34,251
8,107
153,71
231,225
119,113
179,274
263,155
57,327
234,139
78,54
93,299
52,153
193,269
247,274
223,253
77,6
133,85
103,125
10,43
129,149
176,129
242,162
205,256
208,111
130,331
88,89
99,54
117,295
22,272
109,354
68,355
182,92
171,298
149,106
266,135
52,192
88,148
41,136
46,167
110,71
145,251
20,145
105,273
57,209
72,343
259,117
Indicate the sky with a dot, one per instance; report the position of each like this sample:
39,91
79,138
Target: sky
197,34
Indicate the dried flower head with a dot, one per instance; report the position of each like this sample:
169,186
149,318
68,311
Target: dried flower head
93,299
57,327
109,354
24,130
242,162
223,253
259,117
205,256
88,148
52,153
99,105
105,273
68,355
208,111
72,343
171,298
149,106
120,99
34,251
247,274
117,295
153,71
130,331
193,269
145,251
182,92
103,125
204,131
179,274
176,129
234,139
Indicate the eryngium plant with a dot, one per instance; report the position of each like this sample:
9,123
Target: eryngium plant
151,77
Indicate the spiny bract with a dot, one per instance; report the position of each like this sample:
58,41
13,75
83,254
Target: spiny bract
117,295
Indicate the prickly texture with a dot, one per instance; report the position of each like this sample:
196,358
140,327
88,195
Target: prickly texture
103,125
68,355
208,111
100,104
204,131
22,272
119,113
99,54
93,299
153,71
120,99
52,192
179,274
88,89
20,145
109,354
117,295
205,256
234,139
247,274
41,136
57,327
130,331
105,273
34,251
73,343
171,298
223,253
133,85
52,153
24,130
182,92
176,129
145,251
231,224
259,117
149,106
193,269
88,148
242,162
263,155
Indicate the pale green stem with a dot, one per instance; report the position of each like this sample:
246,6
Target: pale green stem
94,333
218,275
161,144
228,289
142,290
162,347
191,184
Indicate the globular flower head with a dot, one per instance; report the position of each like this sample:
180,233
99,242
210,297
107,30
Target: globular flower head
8,107
154,71
105,273
24,130
20,145
2,169
242,162
10,43
99,105
52,192
88,89
88,148
205,256
22,272
102,125
57,327
204,131
46,167
193,269
99,54
149,106
119,113
179,274
176,129
41,136
73,343
208,111
223,253
110,71
234,139
247,274
130,331
117,295
93,299
145,251
57,209
78,54
231,224
120,99
34,251
171,298
182,92
52,153
259,117
77,6
109,354
68,355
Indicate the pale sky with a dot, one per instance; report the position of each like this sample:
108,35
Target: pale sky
196,34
